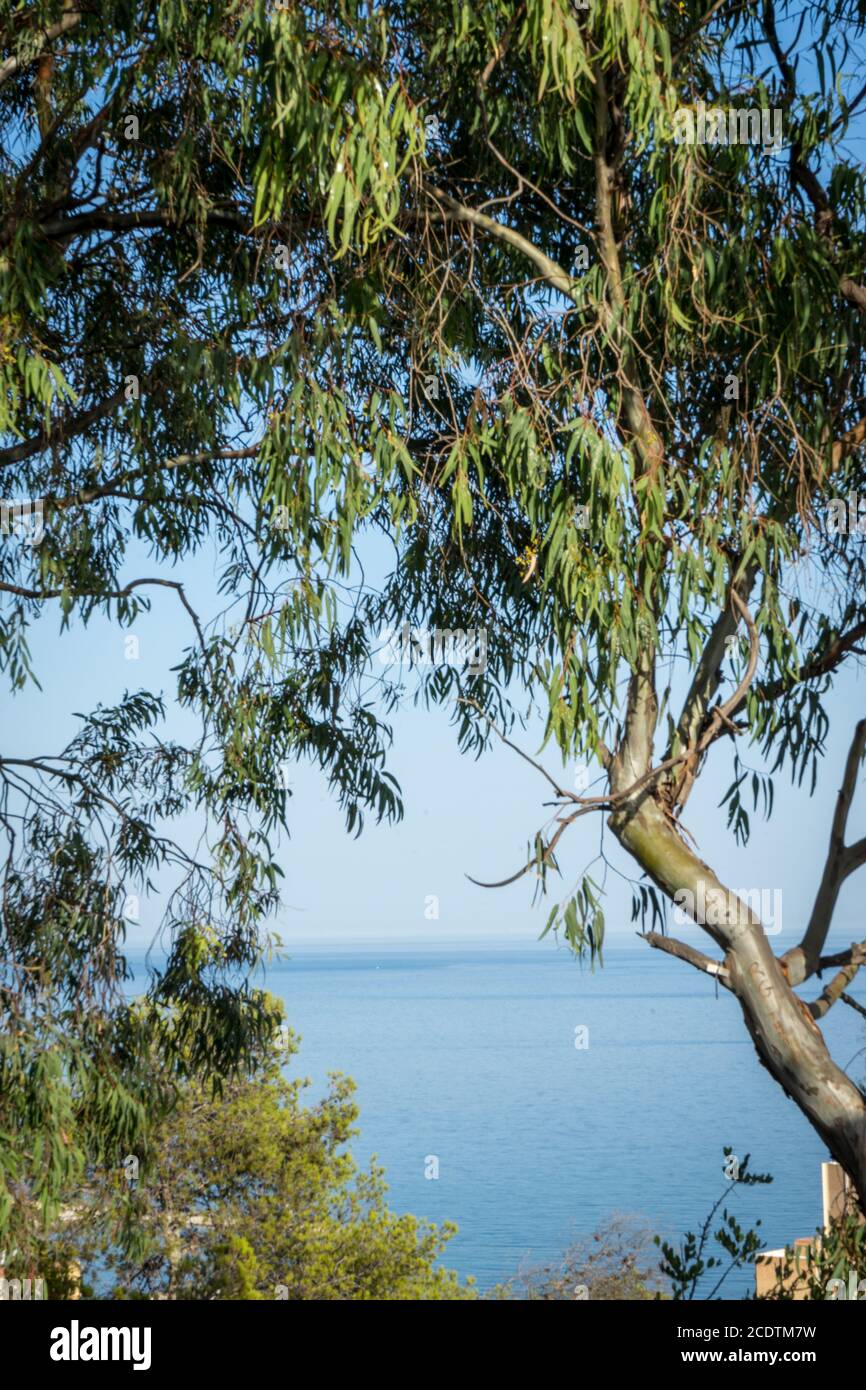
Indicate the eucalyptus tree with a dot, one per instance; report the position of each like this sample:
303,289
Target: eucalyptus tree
615,304
282,276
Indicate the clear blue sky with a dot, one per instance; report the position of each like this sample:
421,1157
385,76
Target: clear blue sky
462,816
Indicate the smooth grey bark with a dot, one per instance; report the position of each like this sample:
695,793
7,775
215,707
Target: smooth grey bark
787,1039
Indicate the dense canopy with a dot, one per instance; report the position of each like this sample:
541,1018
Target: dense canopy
441,282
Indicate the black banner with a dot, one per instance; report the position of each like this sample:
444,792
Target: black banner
85,1340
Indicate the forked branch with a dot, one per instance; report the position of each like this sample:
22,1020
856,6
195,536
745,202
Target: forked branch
842,860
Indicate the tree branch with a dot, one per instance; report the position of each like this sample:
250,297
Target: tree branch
54,31
111,486
127,589
854,437
63,430
840,958
637,415
852,1004
720,716
550,271
682,951
101,220
803,960
707,677
836,988
816,665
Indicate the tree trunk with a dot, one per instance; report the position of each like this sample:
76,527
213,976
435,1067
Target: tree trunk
787,1039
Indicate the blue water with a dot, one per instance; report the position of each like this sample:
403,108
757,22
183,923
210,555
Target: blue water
467,1053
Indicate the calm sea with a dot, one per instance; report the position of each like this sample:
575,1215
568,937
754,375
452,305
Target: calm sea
467,1054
